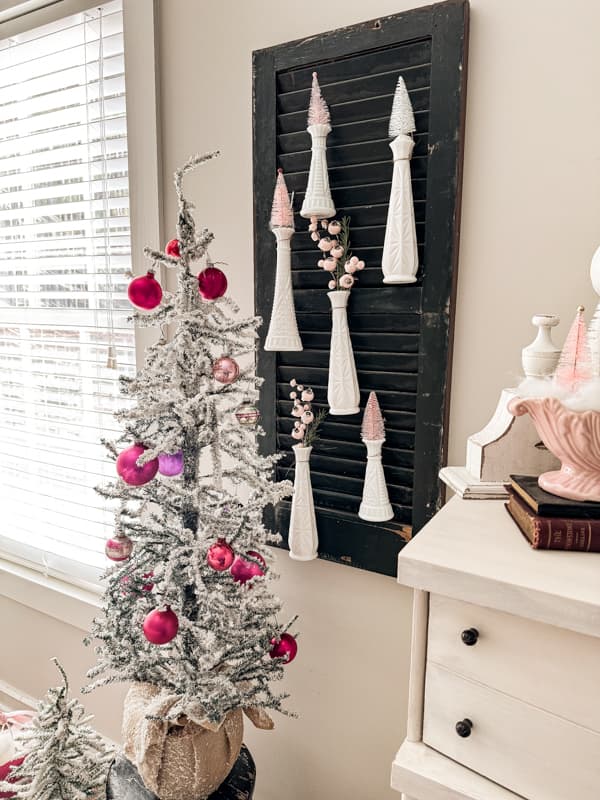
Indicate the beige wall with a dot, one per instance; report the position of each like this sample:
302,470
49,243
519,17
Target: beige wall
531,221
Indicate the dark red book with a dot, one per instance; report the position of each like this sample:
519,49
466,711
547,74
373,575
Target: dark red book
554,533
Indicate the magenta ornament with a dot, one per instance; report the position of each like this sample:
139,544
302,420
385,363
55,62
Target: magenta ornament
172,249
243,570
119,548
128,469
212,283
145,292
220,556
170,464
161,627
225,370
284,647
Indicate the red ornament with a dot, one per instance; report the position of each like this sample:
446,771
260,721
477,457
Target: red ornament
225,370
161,626
119,548
212,283
243,570
220,555
145,292
284,647
128,469
4,773
172,249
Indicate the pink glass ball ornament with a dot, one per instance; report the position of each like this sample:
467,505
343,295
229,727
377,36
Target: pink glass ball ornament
285,647
145,292
161,627
212,283
220,556
172,249
243,570
170,464
128,469
119,548
247,414
225,370
334,227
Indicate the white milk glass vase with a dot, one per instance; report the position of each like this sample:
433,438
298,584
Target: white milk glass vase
342,388
283,329
375,505
400,259
317,200
303,539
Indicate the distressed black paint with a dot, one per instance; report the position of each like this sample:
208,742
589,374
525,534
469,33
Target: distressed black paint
401,335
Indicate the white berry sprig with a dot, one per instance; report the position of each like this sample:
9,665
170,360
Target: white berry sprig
306,424
333,240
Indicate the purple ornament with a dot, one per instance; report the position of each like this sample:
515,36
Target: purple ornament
170,464
129,470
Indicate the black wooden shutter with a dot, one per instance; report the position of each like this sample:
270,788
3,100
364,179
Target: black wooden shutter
400,334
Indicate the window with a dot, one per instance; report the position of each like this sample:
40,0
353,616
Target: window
65,253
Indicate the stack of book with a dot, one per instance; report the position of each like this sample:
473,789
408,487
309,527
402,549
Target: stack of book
550,522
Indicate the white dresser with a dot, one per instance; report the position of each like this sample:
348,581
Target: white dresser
504,698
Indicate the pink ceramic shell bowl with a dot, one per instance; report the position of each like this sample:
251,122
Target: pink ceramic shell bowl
574,438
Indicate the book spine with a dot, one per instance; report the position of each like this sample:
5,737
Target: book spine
555,533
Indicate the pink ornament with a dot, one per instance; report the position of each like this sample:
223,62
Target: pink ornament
220,556
334,227
331,264
212,283
331,285
172,249
170,464
337,251
372,429
145,292
225,370
282,213
161,627
128,469
119,548
243,570
346,281
325,244
285,647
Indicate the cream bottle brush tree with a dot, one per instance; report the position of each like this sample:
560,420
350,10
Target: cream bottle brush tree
283,329
375,505
400,260
317,200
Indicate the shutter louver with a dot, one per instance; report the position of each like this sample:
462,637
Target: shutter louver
64,261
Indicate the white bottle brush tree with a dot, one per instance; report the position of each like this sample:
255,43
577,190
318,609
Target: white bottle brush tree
188,606
64,757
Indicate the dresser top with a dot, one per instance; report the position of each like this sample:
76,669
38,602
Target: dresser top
473,551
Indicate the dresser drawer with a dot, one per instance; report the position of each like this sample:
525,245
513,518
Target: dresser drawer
545,666
529,751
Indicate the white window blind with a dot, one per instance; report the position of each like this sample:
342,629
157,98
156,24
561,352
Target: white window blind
64,259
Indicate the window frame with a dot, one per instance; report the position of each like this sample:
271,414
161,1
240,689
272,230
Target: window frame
72,599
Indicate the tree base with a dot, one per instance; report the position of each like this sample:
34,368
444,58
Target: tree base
124,782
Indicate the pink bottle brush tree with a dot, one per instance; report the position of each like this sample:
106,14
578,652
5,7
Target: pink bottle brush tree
575,363
375,505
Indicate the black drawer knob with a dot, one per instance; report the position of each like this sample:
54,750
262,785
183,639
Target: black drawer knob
470,636
463,728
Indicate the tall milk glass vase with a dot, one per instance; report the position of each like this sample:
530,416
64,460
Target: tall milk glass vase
303,539
342,388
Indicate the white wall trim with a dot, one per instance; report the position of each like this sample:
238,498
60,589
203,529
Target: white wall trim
58,599
12,698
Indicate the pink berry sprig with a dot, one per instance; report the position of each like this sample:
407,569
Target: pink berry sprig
333,240
306,424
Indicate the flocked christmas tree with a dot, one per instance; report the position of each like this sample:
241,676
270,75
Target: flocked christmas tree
188,607
64,757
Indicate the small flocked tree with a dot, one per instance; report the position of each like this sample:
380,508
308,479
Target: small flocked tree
65,758
188,606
